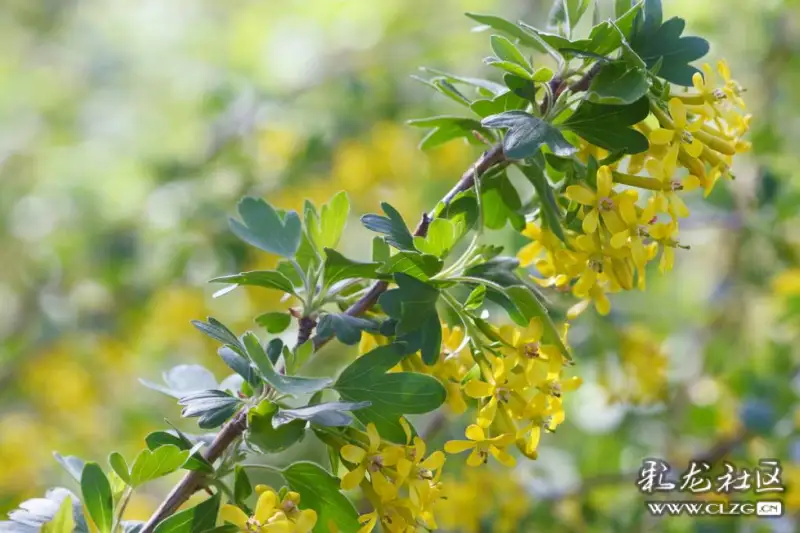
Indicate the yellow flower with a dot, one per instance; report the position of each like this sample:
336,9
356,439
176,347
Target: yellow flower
303,520
637,228
663,170
482,447
499,387
267,517
373,459
602,203
368,522
731,88
681,130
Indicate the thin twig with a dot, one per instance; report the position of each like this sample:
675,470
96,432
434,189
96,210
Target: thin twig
192,481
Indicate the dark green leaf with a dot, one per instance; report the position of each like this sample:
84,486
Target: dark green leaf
262,434
346,328
380,250
269,279
217,331
239,364
97,497
118,464
213,407
264,228
397,392
319,490
527,133
617,84
417,265
339,267
242,488
274,322
501,203
324,414
608,126
198,519
392,226
281,383
550,211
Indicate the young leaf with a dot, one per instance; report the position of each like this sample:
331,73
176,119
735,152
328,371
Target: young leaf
196,461
440,239
269,279
264,228
118,464
346,328
447,128
618,84
475,298
380,250
575,10
324,414
397,392
332,221
150,465
217,331
262,434
509,66
239,364
417,265
506,51
527,133
479,83
281,383
274,322
319,490
507,27
392,226
97,497
213,407
62,522
339,267
198,519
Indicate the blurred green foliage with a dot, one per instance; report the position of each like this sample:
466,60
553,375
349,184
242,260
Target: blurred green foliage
129,130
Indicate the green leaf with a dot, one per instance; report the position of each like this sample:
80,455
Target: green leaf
575,10
150,465
239,364
213,407
517,98
506,51
447,88
263,227
550,211
269,279
397,392
319,490
62,522
501,203
380,250
618,84
486,85
196,461
332,221
198,519
409,302
242,488
392,226
118,464
440,239
262,434
527,133
417,265
181,380
274,322
608,126
509,67
339,267
674,51
97,497
73,465
508,28
475,298
346,328
447,128
281,383
331,414
217,331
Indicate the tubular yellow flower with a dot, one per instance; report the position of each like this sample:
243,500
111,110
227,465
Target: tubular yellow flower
371,460
482,447
602,203
268,517
681,130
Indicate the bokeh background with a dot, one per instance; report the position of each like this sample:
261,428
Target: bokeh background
128,131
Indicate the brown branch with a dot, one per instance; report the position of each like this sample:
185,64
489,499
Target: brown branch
192,481
487,160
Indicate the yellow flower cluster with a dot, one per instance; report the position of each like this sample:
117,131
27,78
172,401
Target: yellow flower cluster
520,394
643,369
272,514
700,131
400,482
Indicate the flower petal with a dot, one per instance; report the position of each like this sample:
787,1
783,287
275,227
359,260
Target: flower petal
678,112
458,446
590,222
581,194
352,453
604,182
661,136
234,515
475,432
353,478
478,389
265,506
502,456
